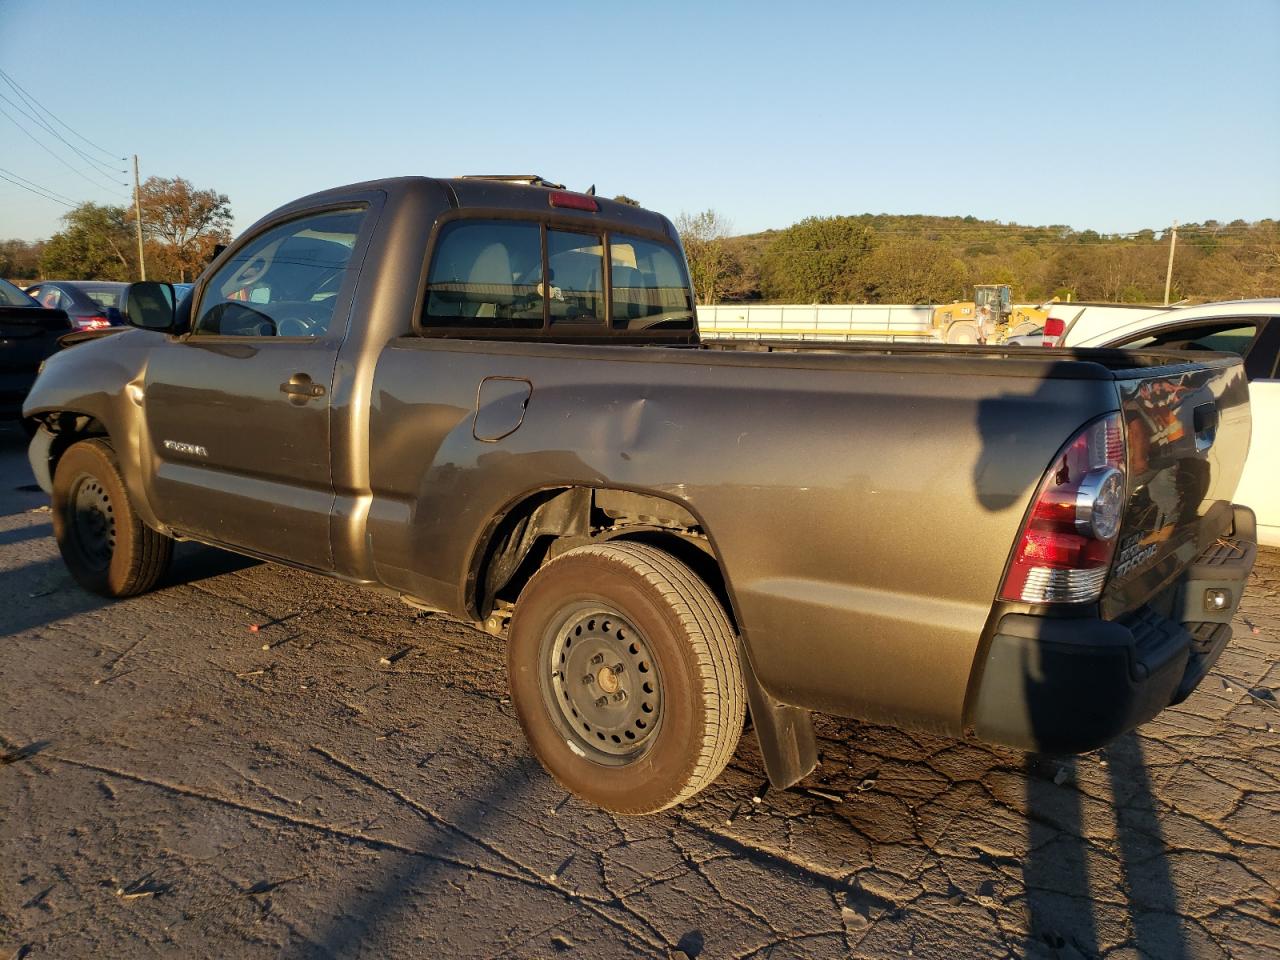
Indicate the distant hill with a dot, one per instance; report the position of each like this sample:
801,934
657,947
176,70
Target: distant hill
897,258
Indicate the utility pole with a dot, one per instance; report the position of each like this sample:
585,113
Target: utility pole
1168,274
137,216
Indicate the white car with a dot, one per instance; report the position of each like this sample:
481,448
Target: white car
1074,324
1250,328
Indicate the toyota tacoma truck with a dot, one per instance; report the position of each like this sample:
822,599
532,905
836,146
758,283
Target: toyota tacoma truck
489,397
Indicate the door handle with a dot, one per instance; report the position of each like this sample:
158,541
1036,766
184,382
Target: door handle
300,389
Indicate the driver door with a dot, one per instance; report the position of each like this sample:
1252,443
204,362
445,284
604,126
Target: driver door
237,410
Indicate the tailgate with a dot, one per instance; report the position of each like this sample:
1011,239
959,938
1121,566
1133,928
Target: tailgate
1187,428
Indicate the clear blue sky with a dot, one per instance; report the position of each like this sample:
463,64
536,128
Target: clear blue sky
1110,115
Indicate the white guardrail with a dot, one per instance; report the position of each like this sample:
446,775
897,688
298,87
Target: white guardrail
886,323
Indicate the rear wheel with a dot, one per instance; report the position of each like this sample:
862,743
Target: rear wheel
624,672
105,546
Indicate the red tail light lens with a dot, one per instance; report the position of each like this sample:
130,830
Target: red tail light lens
1066,545
573,201
91,323
1053,328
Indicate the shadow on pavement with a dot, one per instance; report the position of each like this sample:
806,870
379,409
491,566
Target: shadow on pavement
355,930
1060,903
19,534
194,561
42,593
1152,896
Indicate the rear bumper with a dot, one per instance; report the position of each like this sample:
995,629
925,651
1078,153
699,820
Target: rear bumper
1068,686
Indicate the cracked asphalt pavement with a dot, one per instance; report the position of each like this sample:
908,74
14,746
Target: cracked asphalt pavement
350,780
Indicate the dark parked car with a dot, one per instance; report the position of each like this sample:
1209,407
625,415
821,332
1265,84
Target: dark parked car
28,334
91,304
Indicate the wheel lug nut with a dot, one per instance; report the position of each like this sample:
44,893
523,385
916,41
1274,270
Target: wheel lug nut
588,679
602,701
620,696
617,668
598,658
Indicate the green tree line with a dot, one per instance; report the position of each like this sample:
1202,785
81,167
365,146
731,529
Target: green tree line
885,258
180,227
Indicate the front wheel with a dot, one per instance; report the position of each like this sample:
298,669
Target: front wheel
963,331
624,673
105,546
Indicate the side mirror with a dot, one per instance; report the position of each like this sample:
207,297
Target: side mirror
151,306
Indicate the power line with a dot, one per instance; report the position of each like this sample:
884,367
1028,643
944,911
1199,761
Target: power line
30,99
46,149
38,193
99,165
55,193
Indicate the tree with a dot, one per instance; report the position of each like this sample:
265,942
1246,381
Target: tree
816,261
183,223
96,244
911,271
20,259
703,235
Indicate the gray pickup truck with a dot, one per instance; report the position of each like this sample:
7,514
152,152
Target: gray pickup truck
490,398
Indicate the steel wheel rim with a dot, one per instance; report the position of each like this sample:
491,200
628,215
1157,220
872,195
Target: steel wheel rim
606,714
93,522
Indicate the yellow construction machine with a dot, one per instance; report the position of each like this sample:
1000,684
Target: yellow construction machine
990,317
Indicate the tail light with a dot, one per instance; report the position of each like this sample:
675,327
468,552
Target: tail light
91,323
1053,328
1067,542
573,201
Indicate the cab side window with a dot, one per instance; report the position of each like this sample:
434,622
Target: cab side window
284,282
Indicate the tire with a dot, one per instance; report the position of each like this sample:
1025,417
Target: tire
963,331
633,606
105,546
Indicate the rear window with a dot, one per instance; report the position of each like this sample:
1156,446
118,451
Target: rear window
11,296
104,297
525,275
650,287
575,264
486,273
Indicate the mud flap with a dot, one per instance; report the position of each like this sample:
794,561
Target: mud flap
785,734
38,455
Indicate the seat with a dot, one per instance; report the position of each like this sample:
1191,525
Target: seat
490,276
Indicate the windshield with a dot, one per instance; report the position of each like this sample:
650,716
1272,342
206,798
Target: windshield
11,296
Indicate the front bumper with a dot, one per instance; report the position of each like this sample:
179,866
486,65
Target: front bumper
1072,685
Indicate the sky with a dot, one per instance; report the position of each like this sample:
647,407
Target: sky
1113,115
